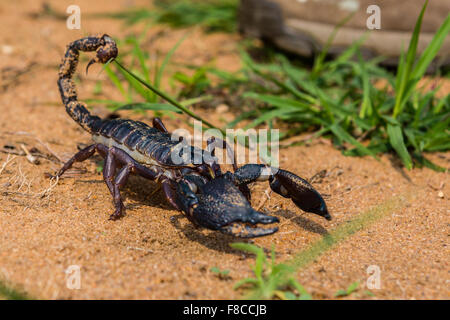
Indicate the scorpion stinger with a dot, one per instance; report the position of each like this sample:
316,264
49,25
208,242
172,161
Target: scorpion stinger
201,191
106,52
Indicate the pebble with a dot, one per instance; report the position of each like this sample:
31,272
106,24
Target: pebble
222,108
6,49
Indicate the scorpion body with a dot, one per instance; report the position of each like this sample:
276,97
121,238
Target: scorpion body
208,197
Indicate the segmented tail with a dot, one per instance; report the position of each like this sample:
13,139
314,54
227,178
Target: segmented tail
106,49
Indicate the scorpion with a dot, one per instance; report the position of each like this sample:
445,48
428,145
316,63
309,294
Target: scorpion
207,197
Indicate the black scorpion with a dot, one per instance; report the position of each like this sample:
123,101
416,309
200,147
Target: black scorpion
208,197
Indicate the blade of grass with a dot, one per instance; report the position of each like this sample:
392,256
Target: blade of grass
366,107
396,139
425,59
115,80
168,98
408,62
345,136
280,102
346,230
141,58
288,88
147,106
318,62
431,50
408,74
166,60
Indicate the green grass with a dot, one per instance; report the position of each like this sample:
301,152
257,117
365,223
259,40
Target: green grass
346,292
135,83
211,15
271,279
274,280
221,274
345,230
336,99
134,95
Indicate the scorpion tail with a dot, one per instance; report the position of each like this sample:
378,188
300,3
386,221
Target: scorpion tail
106,50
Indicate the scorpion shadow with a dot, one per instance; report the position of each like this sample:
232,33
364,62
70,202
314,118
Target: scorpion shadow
221,242
146,193
304,223
214,240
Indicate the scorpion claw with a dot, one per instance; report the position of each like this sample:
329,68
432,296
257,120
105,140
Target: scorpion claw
300,191
286,184
258,217
241,231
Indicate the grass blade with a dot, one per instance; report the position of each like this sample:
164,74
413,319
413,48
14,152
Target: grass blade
318,63
115,80
147,106
345,136
366,107
279,102
168,98
396,139
431,50
166,60
407,64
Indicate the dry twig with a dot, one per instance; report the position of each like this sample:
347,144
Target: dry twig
32,159
8,160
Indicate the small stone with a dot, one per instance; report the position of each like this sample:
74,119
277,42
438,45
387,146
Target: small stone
6,49
222,108
440,194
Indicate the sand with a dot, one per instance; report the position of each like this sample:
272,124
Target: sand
154,252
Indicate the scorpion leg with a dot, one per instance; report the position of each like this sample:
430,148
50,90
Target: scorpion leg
78,157
109,170
168,192
187,199
116,156
214,142
158,124
153,175
119,182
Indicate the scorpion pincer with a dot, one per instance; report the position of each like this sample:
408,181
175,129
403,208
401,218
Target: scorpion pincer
208,197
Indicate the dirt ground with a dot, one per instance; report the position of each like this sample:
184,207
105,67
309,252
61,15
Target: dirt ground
154,252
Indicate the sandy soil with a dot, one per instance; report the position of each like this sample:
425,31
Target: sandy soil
154,252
